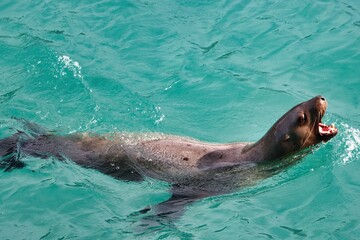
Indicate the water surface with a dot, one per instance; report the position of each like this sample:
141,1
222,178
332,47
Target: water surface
218,71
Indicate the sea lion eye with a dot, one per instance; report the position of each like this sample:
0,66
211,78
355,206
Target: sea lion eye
286,137
302,119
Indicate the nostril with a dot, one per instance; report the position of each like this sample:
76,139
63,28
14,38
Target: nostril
322,98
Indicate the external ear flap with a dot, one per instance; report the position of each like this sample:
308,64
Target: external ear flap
286,137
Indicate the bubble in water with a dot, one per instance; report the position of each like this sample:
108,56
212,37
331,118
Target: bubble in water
160,117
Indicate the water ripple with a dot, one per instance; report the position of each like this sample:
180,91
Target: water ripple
8,96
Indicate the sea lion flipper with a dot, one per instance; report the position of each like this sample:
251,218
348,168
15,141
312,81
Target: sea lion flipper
172,208
11,163
165,213
9,154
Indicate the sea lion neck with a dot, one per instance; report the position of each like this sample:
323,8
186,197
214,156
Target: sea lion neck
262,150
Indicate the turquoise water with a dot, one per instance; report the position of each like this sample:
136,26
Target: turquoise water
219,71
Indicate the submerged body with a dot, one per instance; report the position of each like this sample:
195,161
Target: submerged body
177,160
195,169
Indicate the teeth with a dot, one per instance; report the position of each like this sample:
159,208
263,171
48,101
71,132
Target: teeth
333,125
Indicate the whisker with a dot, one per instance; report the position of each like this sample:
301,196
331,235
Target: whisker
308,136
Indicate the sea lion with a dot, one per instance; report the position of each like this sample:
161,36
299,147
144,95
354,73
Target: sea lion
195,169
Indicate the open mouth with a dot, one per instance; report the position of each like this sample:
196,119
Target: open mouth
327,131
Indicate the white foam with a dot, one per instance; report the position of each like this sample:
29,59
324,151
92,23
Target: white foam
68,64
351,144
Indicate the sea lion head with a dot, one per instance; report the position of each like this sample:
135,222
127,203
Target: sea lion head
300,128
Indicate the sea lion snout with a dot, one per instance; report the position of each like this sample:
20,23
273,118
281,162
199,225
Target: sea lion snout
318,106
322,98
323,132
321,101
